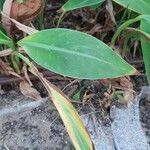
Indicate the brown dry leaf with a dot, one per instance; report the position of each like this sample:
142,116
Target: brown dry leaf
25,12
4,68
7,10
87,97
25,71
20,13
110,21
124,84
109,8
29,91
95,29
21,26
129,93
7,52
7,70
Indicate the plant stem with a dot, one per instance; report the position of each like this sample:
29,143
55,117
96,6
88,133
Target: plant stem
60,18
25,59
14,63
140,32
122,27
14,60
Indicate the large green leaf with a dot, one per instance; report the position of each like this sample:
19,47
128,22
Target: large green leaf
139,6
75,54
5,40
74,4
145,26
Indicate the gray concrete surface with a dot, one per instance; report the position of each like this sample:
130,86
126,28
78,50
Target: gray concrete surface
30,125
26,124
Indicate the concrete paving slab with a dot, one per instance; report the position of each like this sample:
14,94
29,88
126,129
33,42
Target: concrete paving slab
30,125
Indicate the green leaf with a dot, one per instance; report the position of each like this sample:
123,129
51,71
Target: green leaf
145,26
74,125
75,4
145,38
139,6
5,40
1,4
75,54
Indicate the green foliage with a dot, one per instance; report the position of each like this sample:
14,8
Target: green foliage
74,4
6,40
75,54
1,4
139,6
145,26
145,39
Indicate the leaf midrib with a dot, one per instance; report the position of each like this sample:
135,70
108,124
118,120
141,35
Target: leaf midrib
54,48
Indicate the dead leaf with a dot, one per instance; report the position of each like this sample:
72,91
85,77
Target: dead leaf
106,17
29,91
21,26
25,12
7,10
20,13
4,67
25,71
7,52
109,8
7,70
124,84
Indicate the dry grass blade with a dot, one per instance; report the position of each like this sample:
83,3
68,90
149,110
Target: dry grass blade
109,8
25,71
21,26
7,70
7,10
4,67
123,85
7,52
111,22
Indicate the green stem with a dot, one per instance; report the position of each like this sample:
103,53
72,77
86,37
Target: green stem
60,18
140,32
125,45
41,17
122,27
25,59
14,60
14,63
